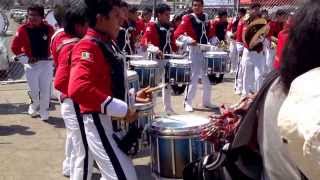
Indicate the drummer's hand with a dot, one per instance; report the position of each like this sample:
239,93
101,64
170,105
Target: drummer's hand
143,96
159,55
131,116
193,42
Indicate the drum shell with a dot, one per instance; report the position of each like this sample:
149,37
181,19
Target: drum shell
216,63
178,73
149,75
133,80
170,154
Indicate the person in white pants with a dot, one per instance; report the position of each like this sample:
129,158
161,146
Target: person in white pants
32,39
158,37
99,88
194,29
78,162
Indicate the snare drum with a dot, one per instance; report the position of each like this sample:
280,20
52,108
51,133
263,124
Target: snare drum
133,80
216,62
148,71
178,71
175,142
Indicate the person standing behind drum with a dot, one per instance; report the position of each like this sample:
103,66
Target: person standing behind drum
97,83
160,35
77,155
143,20
33,40
194,29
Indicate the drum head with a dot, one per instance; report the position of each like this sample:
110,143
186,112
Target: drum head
216,54
51,20
179,125
144,63
4,23
180,61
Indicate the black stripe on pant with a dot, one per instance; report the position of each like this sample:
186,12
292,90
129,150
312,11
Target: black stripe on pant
84,141
108,148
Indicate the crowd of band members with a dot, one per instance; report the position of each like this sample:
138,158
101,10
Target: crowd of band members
83,76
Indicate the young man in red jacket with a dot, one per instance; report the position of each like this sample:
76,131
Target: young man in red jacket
97,83
143,20
160,35
194,29
33,40
77,164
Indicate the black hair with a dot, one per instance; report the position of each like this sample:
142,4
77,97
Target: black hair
161,8
242,11
95,7
222,13
302,50
38,8
133,9
201,1
58,13
281,12
124,4
255,5
74,15
146,11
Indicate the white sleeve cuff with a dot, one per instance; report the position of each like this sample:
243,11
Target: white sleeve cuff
183,40
114,107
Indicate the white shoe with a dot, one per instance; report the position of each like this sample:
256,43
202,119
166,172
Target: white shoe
44,116
66,168
32,112
188,107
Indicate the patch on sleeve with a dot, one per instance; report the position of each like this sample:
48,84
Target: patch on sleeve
85,55
148,29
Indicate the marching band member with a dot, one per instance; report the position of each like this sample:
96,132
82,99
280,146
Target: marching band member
239,47
282,41
275,27
232,29
194,29
80,165
33,40
253,59
143,20
160,35
122,36
97,83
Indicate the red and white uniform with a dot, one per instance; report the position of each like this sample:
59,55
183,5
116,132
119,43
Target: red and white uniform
193,28
141,26
90,86
161,37
76,147
282,41
34,43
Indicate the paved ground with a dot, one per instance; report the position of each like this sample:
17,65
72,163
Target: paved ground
31,149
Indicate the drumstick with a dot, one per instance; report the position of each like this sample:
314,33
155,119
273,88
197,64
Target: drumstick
153,89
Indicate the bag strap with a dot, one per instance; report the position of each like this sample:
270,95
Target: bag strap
248,124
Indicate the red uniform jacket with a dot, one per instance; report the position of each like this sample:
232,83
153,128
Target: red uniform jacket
56,40
186,28
141,26
282,41
240,31
21,43
275,28
90,76
152,36
63,66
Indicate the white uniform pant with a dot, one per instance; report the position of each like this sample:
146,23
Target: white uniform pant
39,78
233,55
253,71
166,91
197,68
239,76
112,162
78,157
270,55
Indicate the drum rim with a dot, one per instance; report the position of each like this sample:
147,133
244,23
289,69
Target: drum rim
143,106
212,53
187,131
140,64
